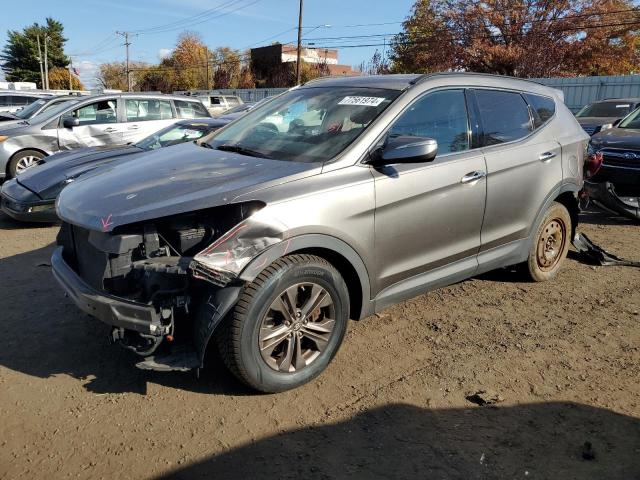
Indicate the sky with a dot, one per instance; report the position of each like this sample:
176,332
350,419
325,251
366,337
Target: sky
90,25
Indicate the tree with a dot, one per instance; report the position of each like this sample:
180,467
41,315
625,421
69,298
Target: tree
114,75
525,38
59,80
20,55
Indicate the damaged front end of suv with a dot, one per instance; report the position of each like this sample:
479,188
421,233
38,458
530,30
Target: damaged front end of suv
148,279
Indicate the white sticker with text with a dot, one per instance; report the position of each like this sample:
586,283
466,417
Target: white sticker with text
363,101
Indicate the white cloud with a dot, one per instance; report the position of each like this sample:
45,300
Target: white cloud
164,53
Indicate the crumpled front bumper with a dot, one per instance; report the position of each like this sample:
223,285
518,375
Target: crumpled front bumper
111,310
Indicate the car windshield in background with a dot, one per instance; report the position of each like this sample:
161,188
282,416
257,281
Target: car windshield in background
244,107
305,125
52,112
174,135
29,110
632,121
605,109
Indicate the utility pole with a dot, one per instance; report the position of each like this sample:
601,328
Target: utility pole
298,70
126,44
70,82
40,62
46,63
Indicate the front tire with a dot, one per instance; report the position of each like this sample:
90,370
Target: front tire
551,244
287,325
24,160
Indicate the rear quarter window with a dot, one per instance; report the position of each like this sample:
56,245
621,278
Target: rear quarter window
542,108
504,115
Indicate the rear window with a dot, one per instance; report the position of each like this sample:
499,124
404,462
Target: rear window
504,115
542,108
232,101
606,109
190,109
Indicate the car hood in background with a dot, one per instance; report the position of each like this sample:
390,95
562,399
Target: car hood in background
170,181
625,138
47,179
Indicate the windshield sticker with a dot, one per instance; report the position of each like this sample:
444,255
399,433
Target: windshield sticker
362,101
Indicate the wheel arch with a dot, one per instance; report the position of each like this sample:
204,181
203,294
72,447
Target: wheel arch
342,256
569,200
35,149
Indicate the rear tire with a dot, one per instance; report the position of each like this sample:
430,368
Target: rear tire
24,160
287,325
551,244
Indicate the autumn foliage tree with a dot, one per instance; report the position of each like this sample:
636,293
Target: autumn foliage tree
524,38
59,79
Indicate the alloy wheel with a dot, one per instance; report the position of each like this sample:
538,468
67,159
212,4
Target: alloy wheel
297,327
25,162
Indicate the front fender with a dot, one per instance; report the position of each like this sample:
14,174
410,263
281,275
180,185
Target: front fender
320,243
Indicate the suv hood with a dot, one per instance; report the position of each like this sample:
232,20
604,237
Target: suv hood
170,181
47,179
626,138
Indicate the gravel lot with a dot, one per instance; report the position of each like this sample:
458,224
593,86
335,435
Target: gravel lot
561,361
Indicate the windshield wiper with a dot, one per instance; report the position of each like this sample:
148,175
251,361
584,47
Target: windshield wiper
241,150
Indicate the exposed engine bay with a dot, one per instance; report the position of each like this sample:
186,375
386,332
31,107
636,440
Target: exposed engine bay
164,265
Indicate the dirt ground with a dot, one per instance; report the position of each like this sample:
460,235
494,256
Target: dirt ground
561,361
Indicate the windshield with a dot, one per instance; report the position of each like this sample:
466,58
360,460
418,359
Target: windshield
175,134
29,110
632,121
605,109
51,112
305,125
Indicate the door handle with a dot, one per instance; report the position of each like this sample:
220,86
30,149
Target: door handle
134,127
110,130
546,156
472,177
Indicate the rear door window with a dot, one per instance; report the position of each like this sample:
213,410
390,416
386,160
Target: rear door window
190,109
148,109
504,115
542,108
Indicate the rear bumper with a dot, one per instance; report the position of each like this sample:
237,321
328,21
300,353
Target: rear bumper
111,310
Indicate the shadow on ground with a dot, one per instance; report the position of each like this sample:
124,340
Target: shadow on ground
45,335
538,441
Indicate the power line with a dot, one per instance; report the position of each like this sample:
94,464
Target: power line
202,19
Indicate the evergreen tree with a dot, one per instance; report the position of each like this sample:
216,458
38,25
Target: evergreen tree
19,58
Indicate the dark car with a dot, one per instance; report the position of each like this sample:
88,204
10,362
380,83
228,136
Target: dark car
617,183
31,196
604,114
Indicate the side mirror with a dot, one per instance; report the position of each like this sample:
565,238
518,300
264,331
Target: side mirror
70,122
405,150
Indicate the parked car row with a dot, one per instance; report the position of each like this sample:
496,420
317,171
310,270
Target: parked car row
89,121
331,201
31,197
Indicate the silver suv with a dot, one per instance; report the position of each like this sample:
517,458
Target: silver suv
333,201
115,119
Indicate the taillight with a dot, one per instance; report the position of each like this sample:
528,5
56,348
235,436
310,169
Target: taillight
593,164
